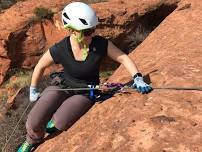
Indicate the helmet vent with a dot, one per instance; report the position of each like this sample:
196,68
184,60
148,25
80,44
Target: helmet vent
65,15
83,21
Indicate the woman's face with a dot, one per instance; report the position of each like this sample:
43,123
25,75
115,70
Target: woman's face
86,34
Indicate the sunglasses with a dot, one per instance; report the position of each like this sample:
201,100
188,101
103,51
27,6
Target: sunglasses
88,32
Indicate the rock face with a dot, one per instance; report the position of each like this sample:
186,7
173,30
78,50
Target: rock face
23,41
162,121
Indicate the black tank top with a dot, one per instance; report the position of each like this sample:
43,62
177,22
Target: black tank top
80,73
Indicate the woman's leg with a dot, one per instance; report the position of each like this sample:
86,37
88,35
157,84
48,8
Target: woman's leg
42,112
71,110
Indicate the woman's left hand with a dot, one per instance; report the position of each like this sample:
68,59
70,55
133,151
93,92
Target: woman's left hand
141,86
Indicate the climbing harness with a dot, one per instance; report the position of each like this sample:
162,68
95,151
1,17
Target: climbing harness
7,141
91,92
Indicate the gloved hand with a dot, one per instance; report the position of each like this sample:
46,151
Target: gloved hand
139,83
33,94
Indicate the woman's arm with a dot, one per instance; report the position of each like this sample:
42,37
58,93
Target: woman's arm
117,55
45,61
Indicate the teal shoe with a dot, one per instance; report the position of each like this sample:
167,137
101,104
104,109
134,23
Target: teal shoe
25,147
50,127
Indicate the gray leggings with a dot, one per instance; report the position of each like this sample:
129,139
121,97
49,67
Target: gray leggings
63,108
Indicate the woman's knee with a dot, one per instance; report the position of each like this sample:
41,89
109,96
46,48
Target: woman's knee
35,132
71,110
34,124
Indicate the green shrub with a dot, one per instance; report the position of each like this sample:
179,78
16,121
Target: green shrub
43,13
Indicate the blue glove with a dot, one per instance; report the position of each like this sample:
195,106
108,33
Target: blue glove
140,85
33,94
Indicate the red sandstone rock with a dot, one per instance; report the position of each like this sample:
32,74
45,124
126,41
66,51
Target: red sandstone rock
171,55
162,120
26,42
4,67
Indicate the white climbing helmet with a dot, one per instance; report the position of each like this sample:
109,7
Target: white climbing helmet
79,16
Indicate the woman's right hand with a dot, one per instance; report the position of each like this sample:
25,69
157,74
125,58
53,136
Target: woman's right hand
33,94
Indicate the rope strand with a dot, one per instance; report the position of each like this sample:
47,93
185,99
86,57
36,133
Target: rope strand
129,87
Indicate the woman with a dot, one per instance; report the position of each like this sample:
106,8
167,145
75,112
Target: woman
80,54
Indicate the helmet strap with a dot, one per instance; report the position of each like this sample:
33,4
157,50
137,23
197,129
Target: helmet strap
85,49
80,37
85,52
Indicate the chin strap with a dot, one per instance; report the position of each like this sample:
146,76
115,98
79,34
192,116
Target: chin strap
79,38
85,51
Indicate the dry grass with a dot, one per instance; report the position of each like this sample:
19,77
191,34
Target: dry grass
19,78
9,124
